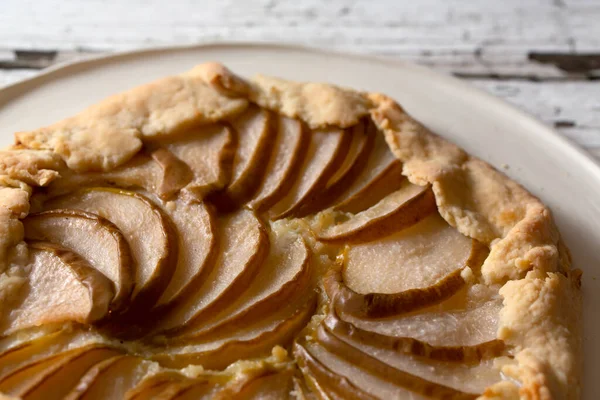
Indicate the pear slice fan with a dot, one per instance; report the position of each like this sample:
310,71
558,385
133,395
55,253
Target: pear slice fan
225,239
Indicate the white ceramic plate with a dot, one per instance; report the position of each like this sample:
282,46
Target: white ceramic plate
566,178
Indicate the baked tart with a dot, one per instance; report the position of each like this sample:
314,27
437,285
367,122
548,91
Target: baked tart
207,236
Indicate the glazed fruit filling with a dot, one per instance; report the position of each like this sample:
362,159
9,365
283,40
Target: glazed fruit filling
250,258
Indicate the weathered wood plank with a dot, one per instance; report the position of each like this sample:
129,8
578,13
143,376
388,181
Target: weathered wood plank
571,107
503,47
475,37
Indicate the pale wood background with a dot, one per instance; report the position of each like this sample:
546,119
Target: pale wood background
542,55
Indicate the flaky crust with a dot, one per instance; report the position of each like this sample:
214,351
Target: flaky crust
541,317
110,133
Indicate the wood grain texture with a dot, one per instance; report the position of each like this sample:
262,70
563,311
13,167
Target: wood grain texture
542,55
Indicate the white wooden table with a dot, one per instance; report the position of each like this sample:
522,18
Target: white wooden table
542,55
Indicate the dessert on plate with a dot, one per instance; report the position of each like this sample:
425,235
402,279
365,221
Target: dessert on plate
209,236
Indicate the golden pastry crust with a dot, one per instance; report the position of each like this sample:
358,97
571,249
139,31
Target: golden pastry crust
108,134
541,317
33,167
318,105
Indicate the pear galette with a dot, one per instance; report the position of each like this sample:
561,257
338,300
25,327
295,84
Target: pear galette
207,236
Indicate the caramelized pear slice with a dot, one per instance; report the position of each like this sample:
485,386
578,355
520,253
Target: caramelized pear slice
325,153
209,152
243,246
94,238
253,129
19,382
61,286
397,211
26,379
18,354
158,172
373,365
268,386
198,391
113,380
416,257
160,391
281,169
285,273
325,382
161,385
333,376
377,179
146,228
88,378
355,159
354,162
473,376
386,305
197,247
175,174
57,385
407,345
442,325
249,342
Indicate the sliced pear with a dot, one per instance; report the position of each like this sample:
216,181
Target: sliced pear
397,211
175,174
285,273
243,246
209,152
332,376
92,374
456,326
270,386
386,305
198,391
158,171
147,229
252,341
26,379
474,376
324,381
48,344
197,247
114,380
356,156
94,238
407,345
161,391
361,146
378,178
64,379
253,129
325,153
418,290
22,380
61,287
282,167
416,257
161,385
370,362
